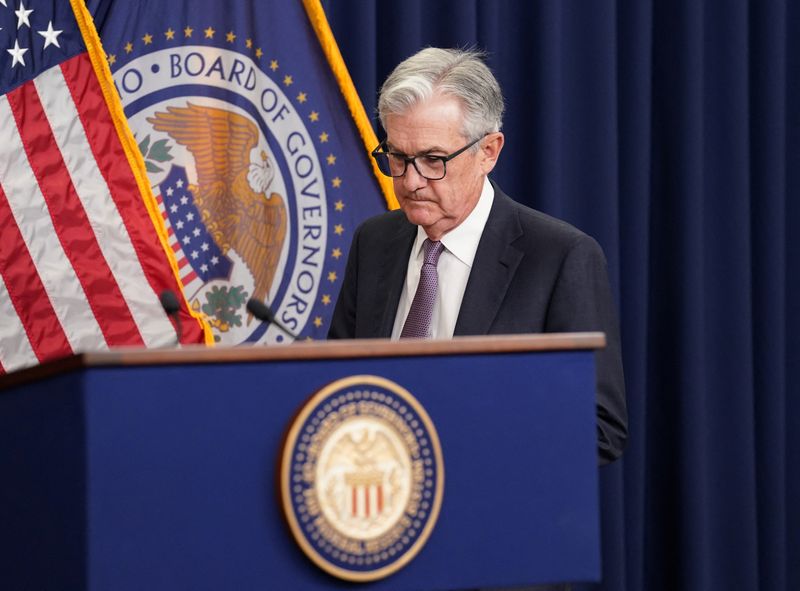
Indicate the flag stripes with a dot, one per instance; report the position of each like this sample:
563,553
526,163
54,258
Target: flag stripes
63,223
12,331
30,237
73,235
120,180
23,284
138,305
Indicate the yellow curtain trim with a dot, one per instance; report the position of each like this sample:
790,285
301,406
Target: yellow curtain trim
329,46
135,159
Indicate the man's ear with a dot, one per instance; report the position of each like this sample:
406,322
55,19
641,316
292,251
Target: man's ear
491,147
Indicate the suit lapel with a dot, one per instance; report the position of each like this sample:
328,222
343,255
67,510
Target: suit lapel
496,261
392,275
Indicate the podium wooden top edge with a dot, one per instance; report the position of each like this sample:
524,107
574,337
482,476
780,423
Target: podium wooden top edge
316,350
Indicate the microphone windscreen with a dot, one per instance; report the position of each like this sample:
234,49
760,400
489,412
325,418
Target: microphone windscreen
259,309
169,301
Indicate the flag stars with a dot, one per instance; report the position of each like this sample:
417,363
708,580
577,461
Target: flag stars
336,182
179,224
204,268
248,43
189,216
18,54
288,80
186,240
326,299
273,65
184,200
169,34
314,116
214,260
148,38
196,232
187,31
332,276
302,97
22,16
170,191
323,137
339,205
318,321
51,36
204,247
338,229
331,159
336,253
195,254
209,32
230,37
128,47
173,208
112,59
179,184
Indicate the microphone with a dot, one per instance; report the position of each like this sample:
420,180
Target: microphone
169,301
263,312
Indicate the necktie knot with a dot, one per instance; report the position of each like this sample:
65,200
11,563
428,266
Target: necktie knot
418,321
432,251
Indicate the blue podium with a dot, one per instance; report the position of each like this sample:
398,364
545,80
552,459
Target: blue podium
159,469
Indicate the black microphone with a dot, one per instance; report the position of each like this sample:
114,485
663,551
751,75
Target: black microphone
263,312
169,301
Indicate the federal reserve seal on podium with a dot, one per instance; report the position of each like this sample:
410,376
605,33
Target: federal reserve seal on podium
362,478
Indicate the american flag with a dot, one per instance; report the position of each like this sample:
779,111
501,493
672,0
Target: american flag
82,259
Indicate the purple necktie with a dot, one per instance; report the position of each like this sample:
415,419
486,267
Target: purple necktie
419,316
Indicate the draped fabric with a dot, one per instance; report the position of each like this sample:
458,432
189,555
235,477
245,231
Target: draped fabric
82,257
670,131
253,153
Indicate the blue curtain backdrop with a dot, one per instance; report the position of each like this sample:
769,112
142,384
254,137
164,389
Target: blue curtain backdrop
670,131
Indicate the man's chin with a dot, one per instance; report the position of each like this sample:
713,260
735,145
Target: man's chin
418,218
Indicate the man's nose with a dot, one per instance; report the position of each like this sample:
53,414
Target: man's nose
412,179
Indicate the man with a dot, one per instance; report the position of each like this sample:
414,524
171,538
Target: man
460,257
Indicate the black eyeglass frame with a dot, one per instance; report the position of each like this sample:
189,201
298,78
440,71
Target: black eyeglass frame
381,149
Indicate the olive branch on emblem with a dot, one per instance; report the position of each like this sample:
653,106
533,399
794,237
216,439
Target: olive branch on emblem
156,152
222,305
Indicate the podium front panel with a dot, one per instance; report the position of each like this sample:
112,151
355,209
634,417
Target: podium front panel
180,465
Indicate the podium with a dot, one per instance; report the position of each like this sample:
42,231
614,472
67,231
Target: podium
158,469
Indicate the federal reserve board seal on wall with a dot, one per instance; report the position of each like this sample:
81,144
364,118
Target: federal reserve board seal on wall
362,478
254,163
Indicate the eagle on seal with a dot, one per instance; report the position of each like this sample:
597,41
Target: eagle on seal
231,191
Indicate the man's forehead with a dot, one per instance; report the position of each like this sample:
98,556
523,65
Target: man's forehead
430,126
437,107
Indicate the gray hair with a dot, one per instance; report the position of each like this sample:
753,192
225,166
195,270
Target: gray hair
460,73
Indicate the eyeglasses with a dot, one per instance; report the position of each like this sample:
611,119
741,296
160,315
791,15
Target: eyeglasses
429,166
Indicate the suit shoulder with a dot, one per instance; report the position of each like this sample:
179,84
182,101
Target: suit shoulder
385,222
543,228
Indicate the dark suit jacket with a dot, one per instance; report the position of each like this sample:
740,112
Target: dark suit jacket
532,273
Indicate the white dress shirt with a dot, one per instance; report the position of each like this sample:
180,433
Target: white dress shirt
455,264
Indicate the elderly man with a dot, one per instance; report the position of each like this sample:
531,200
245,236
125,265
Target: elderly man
460,257
476,261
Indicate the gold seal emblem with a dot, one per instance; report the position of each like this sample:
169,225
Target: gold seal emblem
362,478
